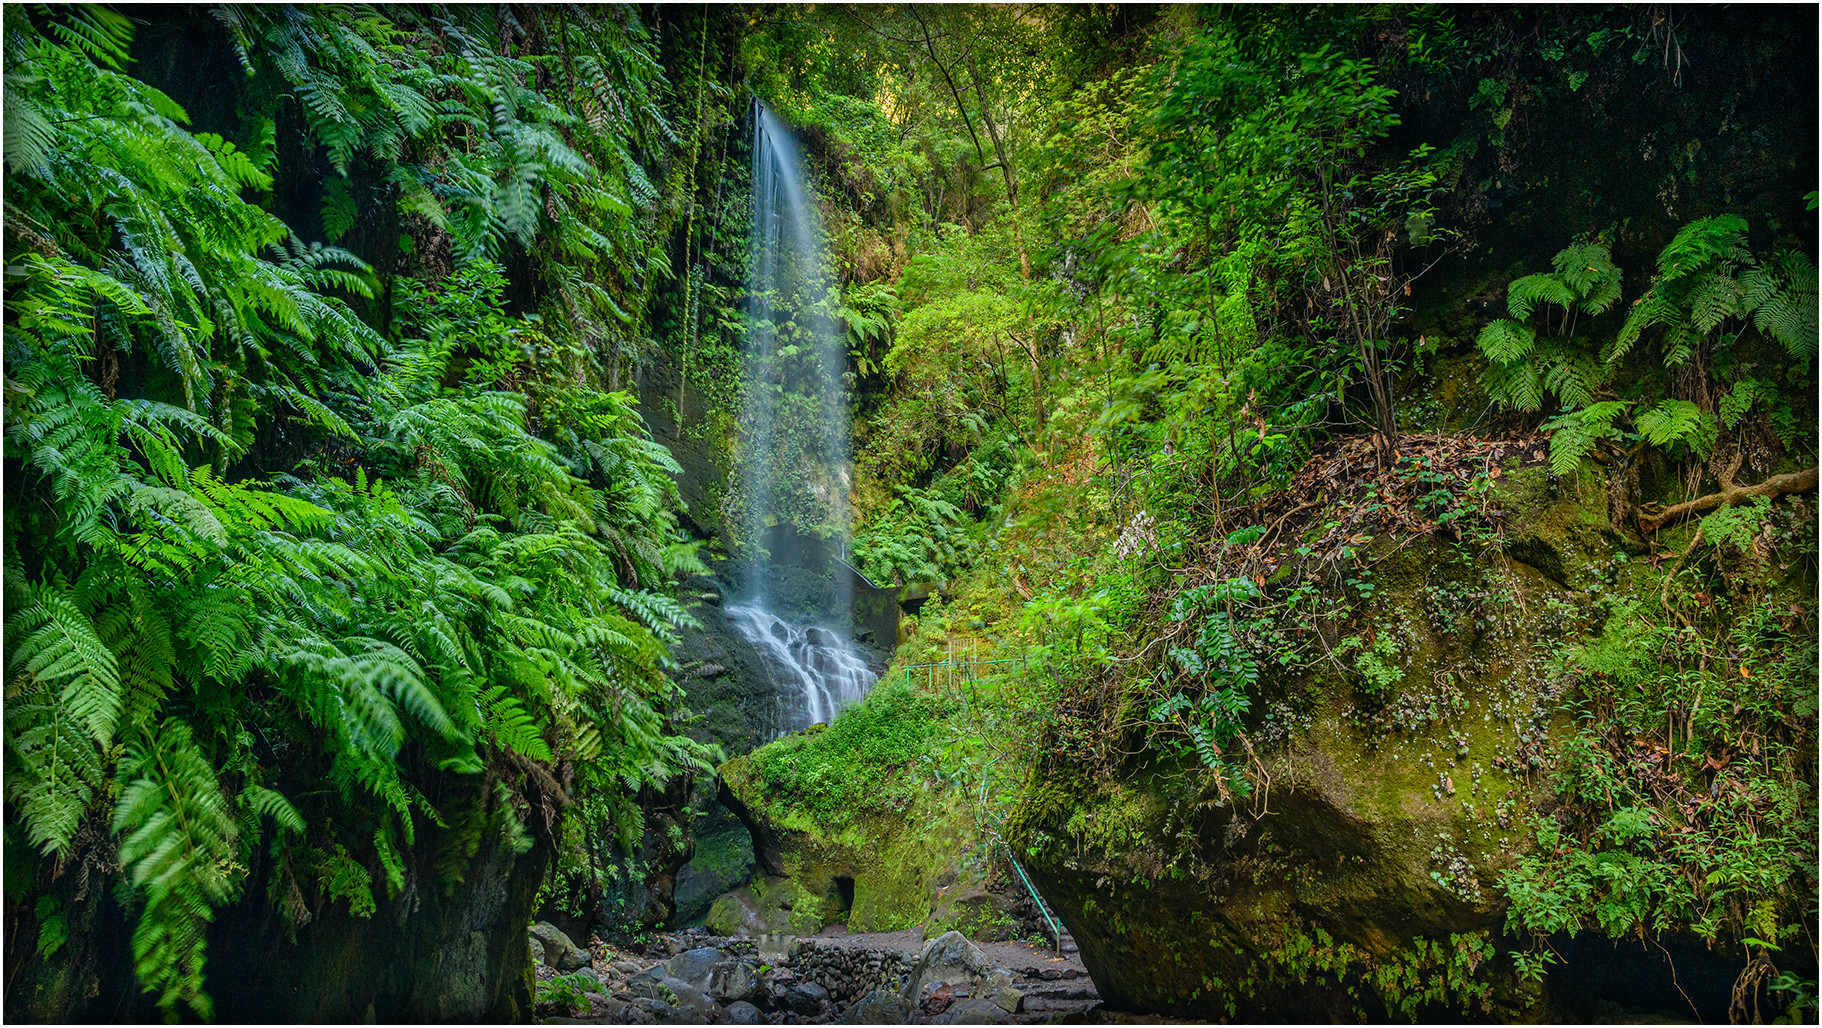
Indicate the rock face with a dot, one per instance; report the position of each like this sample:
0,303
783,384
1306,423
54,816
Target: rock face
1372,862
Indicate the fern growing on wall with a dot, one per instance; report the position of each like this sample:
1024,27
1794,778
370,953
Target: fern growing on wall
1711,310
440,586
1528,362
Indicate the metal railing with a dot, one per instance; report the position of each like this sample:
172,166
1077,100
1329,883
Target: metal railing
955,677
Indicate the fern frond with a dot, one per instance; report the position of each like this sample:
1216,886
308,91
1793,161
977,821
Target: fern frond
177,840
1677,421
1523,295
1575,434
1702,242
57,646
1506,341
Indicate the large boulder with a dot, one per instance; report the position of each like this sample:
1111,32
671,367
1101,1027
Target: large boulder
555,948
695,966
732,981
1396,801
949,957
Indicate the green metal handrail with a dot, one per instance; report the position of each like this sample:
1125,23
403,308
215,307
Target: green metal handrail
1056,927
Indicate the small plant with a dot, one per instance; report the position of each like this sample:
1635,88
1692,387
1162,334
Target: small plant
567,993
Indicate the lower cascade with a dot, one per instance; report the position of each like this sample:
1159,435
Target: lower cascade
819,669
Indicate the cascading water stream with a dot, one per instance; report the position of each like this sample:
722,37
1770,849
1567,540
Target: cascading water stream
794,358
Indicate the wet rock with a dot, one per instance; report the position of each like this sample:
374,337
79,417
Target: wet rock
742,1013
558,951
733,982
877,1007
694,966
805,998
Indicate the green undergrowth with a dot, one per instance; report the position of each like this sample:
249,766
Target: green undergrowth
869,761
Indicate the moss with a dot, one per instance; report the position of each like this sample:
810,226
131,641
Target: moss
851,816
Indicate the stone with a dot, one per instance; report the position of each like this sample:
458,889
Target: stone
805,998
949,957
657,1008
974,1011
694,966
733,982
742,1013
537,952
999,988
689,1000
625,967
936,998
877,1007
558,951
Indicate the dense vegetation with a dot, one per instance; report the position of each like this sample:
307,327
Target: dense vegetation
336,539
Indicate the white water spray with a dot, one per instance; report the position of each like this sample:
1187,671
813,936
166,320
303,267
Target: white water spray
794,358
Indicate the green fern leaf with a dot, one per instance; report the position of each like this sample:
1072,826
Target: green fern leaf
177,838
1575,434
1523,295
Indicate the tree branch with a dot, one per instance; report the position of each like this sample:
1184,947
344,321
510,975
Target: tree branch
1728,496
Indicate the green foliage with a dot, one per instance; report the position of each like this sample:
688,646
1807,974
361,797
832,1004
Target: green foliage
466,569
1677,811
566,994
1523,367
864,761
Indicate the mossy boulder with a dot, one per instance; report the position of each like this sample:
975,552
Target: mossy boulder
1361,878
843,813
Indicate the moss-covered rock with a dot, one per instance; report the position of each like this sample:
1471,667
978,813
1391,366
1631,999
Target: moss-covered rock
846,814
1360,878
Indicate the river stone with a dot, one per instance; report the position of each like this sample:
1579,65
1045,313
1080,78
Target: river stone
742,1013
558,951
877,1007
690,1001
694,966
733,982
805,998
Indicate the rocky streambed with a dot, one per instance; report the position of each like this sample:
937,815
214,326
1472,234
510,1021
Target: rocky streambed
693,977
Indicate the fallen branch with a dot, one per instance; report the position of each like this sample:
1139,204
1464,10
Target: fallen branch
1728,496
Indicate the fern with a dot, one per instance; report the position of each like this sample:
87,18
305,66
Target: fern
1575,434
60,649
1677,421
1525,367
177,839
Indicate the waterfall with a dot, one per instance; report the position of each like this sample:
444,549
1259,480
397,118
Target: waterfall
795,420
